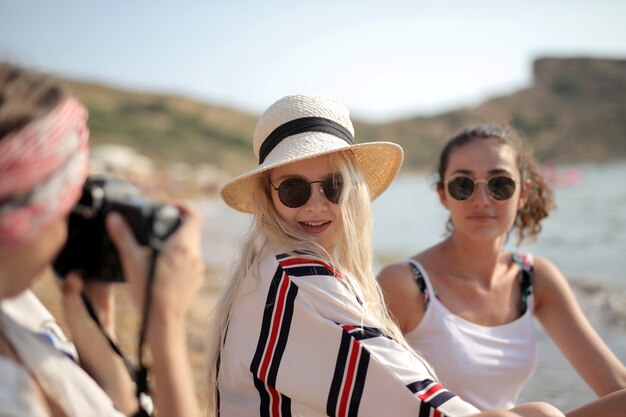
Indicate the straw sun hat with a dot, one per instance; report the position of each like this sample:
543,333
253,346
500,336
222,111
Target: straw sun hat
300,127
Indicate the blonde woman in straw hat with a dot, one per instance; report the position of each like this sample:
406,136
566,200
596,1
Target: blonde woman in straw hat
301,328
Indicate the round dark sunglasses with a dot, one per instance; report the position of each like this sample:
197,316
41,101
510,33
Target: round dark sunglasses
499,187
295,192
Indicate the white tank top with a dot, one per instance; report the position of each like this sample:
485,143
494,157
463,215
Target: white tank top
486,366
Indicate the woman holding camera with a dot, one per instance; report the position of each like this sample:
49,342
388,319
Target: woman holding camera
43,165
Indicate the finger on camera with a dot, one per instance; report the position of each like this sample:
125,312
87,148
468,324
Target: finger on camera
120,233
187,209
189,230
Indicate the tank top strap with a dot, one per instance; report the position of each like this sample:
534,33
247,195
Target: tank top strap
422,280
525,261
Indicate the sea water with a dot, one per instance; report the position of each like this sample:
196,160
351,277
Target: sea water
585,237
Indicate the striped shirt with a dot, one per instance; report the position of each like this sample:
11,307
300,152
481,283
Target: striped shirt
300,344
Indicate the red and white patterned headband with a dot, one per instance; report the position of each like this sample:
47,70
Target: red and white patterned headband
42,170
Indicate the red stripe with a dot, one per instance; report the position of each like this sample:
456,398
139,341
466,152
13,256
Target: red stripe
303,261
431,391
307,261
349,380
278,316
349,328
437,413
275,401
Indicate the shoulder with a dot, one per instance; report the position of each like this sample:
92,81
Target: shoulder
316,277
546,272
403,298
304,263
549,282
292,262
397,278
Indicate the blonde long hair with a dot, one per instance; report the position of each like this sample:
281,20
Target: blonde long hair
352,255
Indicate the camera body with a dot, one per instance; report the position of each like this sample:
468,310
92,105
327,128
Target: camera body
88,248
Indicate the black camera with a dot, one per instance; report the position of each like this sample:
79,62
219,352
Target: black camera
89,250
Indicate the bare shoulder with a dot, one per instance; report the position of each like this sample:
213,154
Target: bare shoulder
546,273
404,301
550,284
403,298
399,277
396,278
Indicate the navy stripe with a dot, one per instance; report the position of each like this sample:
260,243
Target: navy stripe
424,410
434,402
297,253
307,270
283,335
285,406
264,396
419,385
265,406
364,333
301,125
441,398
267,320
359,383
340,367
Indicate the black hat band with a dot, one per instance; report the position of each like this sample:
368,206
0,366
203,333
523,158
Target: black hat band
304,124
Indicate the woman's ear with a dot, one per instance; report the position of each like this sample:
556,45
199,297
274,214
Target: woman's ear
525,191
442,195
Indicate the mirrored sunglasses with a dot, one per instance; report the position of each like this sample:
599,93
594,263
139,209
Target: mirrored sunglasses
499,187
295,192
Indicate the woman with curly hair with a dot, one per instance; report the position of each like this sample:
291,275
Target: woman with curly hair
467,303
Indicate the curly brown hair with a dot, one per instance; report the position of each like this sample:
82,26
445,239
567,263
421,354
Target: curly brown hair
25,96
540,196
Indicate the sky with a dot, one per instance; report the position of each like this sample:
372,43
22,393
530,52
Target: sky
384,59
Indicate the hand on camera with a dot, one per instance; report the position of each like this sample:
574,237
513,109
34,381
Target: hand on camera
178,276
179,269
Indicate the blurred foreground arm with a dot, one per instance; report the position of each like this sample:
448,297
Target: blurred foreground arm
95,354
178,277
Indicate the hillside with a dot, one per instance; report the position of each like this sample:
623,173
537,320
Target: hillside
167,128
574,111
